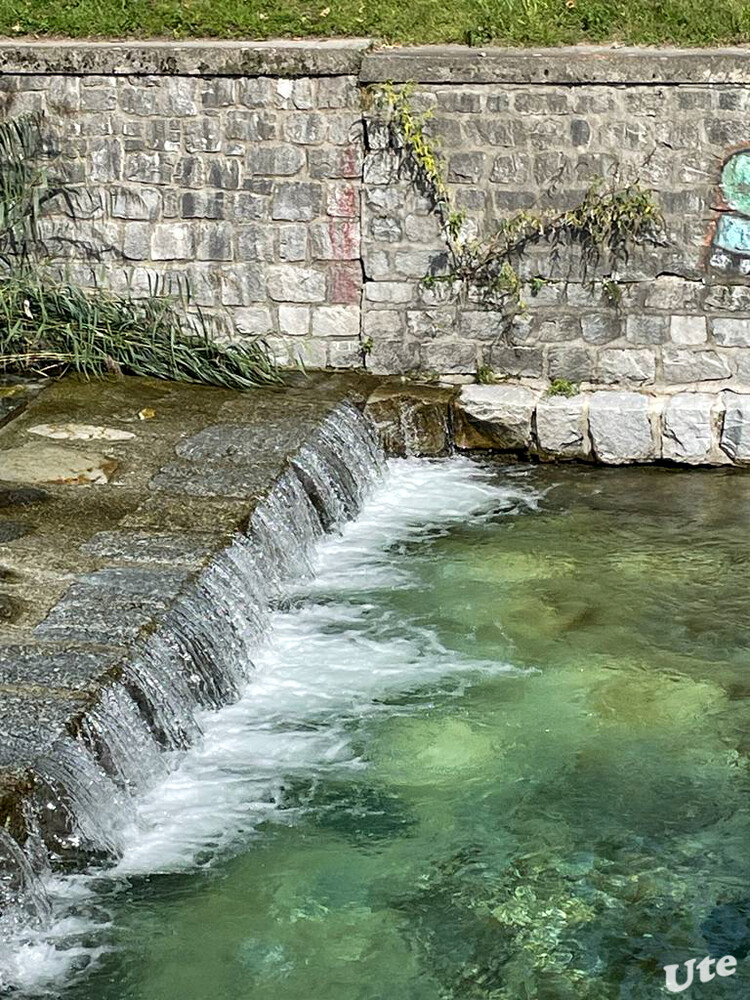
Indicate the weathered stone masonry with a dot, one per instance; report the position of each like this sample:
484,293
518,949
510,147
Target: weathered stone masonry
249,170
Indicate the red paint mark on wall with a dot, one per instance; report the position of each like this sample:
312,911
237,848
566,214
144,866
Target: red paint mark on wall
345,283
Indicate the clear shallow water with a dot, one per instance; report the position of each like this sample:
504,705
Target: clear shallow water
496,748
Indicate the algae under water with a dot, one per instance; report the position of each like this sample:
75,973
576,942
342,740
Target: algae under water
497,749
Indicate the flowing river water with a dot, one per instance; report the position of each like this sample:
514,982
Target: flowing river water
495,746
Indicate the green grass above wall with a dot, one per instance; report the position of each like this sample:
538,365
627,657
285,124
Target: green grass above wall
477,22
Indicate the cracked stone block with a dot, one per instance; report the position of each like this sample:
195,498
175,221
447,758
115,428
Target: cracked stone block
682,366
620,428
732,332
562,426
690,427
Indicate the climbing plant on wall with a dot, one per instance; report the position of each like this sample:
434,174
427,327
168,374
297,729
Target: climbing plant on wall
610,219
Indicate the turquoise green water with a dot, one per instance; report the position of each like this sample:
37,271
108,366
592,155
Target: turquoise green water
557,833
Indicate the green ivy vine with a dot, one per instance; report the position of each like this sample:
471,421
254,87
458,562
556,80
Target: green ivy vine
610,220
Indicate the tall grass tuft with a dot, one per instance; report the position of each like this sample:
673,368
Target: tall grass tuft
48,325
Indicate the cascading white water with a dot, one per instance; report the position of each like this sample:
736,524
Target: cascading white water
271,610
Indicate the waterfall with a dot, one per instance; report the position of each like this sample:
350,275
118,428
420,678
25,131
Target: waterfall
199,658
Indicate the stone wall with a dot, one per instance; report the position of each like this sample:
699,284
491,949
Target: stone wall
250,171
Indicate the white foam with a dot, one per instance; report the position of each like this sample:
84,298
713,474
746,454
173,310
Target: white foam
332,654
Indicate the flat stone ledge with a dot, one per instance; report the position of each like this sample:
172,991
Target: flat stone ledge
337,57
452,64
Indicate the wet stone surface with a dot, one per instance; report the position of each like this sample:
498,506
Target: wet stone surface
146,547
57,669
89,562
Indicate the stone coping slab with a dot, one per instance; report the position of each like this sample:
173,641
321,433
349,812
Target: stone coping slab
435,64
584,64
336,57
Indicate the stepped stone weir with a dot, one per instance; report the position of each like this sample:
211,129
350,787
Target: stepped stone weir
140,596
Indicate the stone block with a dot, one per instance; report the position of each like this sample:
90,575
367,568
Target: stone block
342,200
647,329
241,286
134,203
429,324
335,321
681,366
291,283
626,367
338,92
217,92
345,282
419,264
620,428
250,126
735,435
389,292
305,128
294,321
297,202
384,199
511,168
728,298
558,329
203,136
466,168
292,241
136,241
105,161
577,364
497,417
381,167
448,357
481,325
203,205
255,92
688,330
465,102
732,332
256,321
337,239
224,174
674,294
601,328
562,427
214,241
516,361
342,162
690,427
255,242
173,241
389,356
275,161
386,229
345,354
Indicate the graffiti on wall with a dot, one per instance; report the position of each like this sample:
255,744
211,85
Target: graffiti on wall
730,242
